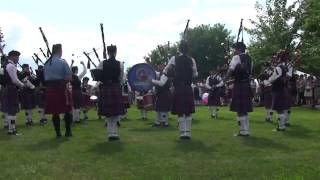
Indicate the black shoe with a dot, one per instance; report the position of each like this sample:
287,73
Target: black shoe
14,133
68,135
288,124
6,127
165,125
58,136
43,121
156,125
278,129
114,138
30,123
268,120
77,122
185,137
118,124
242,135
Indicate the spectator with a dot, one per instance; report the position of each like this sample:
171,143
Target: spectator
308,91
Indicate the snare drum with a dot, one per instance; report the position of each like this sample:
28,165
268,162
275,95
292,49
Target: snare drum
125,100
148,101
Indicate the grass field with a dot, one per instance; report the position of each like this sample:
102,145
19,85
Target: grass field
145,152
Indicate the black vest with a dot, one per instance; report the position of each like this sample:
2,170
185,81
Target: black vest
111,71
281,82
183,70
242,71
165,87
213,81
76,83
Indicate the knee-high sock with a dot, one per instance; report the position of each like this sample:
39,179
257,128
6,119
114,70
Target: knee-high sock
164,117
76,115
5,119
143,113
242,120
12,123
247,125
41,114
269,114
29,115
213,110
85,113
112,126
282,121
158,118
68,120
182,125
56,124
188,124
287,114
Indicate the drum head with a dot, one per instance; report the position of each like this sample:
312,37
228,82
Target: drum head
140,76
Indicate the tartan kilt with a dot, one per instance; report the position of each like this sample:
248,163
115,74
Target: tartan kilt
40,98
112,104
10,100
58,99
241,98
183,101
163,101
85,101
100,100
267,98
27,98
280,100
76,98
214,98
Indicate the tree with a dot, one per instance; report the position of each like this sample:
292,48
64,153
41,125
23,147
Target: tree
205,42
311,37
276,28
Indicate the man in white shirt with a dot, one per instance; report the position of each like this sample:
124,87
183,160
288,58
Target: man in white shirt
214,83
185,69
10,92
241,67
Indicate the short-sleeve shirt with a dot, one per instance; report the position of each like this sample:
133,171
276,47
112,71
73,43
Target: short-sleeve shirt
58,69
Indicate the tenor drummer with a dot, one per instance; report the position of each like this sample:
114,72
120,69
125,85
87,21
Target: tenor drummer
163,98
112,105
183,102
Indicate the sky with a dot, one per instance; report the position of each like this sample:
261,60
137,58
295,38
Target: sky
136,27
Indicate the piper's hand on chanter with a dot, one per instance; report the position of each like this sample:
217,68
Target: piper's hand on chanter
82,63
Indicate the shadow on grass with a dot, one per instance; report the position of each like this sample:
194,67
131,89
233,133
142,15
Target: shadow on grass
297,131
265,143
149,128
108,148
47,144
193,146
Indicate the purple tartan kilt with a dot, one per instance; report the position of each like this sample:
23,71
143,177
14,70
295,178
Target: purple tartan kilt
40,98
267,98
112,104
1,100
163,101
280,100
10,100
183,101
214,98
241,98
27,98
76,98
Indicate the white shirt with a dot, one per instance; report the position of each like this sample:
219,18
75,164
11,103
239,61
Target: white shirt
84,72
12,71
172,62
220,84
235,61
161,82
277,72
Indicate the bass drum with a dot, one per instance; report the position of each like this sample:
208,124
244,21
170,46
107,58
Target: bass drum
140,76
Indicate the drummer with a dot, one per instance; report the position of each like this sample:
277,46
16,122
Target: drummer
163,98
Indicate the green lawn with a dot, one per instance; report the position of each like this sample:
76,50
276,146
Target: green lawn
145,152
